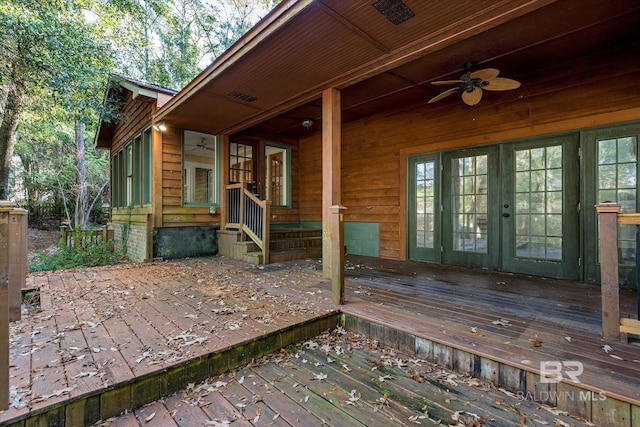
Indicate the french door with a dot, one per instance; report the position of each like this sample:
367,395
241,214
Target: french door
510,207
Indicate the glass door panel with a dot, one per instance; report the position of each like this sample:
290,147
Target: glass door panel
540,212
424,208
469,221
611,174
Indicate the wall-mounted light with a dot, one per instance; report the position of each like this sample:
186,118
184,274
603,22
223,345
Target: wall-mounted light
160,126
307,123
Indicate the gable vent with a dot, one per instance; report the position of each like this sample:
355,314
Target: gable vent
242,96
394,10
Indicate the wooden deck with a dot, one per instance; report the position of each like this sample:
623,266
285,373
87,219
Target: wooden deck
111,338
342,379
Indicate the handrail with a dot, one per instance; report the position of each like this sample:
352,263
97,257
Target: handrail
610,218
629,218
250,215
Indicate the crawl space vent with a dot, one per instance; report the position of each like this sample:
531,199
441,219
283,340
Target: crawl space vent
394,10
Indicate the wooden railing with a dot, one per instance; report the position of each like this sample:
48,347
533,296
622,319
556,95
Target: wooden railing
610,217
250,215
85,238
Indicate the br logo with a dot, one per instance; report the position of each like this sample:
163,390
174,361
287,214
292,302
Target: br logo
554,371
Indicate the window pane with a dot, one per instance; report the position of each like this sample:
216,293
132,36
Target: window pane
617,182
276,167
539,194
200,169
469,204
425,204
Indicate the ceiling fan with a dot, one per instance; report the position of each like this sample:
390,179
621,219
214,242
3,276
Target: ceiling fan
472,83
202,146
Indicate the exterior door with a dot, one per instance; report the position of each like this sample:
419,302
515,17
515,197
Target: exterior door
470,211
510,207
424,208
540,219
611,174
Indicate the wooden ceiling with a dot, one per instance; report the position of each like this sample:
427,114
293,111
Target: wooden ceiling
273,77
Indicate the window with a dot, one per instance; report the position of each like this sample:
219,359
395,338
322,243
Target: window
128,174
200,169
146,167
131,173
277,174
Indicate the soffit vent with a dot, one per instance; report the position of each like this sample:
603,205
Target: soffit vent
242,96
394,10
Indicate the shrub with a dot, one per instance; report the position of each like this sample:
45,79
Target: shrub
67,257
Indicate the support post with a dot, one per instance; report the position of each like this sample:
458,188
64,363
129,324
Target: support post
331,169
5,208
609,287
17,249
337,254
224,179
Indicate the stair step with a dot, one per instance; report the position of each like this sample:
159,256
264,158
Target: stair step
296,243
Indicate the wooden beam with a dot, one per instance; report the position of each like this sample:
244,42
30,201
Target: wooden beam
609,287
331,167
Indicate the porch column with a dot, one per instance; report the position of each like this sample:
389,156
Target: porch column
224,179
331,156
156,178
609,287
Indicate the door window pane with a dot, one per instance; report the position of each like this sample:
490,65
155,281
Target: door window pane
469,210
539,195
277,179
617,182
425,203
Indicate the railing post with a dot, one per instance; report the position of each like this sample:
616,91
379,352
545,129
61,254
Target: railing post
337,254
18,236
5,208
266,226
609,287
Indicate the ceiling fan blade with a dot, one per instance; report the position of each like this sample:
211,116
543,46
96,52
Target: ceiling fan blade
473,97
443,94
500,83
486,74
447,82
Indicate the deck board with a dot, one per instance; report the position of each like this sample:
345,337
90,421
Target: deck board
125,311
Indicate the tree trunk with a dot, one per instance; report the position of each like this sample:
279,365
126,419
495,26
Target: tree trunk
82,198
8,132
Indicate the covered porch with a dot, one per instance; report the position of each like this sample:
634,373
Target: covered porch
154,328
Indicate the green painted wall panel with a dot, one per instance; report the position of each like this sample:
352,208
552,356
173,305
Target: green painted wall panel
360,238
181,242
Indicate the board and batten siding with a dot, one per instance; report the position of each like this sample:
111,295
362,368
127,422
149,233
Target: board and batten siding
592,91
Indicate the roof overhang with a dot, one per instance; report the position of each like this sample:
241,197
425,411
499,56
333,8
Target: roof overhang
146,92
273,77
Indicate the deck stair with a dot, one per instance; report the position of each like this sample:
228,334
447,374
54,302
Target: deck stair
286,244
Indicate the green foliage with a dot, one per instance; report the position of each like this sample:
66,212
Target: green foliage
67,257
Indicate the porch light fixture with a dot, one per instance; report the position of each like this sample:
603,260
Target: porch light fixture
307,123
160,126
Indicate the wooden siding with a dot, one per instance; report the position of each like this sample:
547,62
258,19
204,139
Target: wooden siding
594,91
174,214
137,116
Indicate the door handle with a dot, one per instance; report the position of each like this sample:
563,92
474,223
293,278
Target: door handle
506,214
